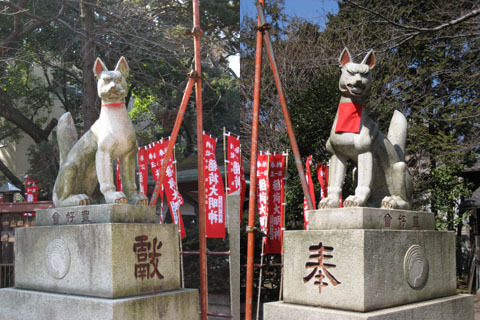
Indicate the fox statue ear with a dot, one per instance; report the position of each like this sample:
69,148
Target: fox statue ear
98,67
345,57
369,59
122,66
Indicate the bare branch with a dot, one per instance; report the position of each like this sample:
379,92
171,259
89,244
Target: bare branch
447,24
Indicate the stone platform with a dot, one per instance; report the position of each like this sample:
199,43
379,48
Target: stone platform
364,270
458,307
370,218
100,260
17,304
100,213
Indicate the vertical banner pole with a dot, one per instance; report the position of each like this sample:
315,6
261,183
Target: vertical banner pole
197,33
182,273
260,278
286,114
253,171
225,166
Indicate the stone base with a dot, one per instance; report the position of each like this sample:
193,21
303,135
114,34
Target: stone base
99,213
370,218
458,307
18,304
110,260
366,270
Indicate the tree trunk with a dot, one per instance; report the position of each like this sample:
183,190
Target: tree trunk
9,112
12,177
89,109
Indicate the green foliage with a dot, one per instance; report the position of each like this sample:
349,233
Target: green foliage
43,159
447,190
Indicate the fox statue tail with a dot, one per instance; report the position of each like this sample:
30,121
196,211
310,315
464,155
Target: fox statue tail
66,135
397,133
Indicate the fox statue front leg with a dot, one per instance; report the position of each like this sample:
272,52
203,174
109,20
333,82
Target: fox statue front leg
104,166
365,174
338,167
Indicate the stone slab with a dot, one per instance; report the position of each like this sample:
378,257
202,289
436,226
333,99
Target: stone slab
370,218
233,210
98,259
372,269
458,307
17,304
100,213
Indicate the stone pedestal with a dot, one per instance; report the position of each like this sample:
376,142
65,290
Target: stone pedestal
363,263
92,268
458,307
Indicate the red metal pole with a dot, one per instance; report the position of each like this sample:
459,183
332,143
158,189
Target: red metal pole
197,33
253,171
286,114
173,138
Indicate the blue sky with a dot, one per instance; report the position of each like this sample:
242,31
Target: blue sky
312,10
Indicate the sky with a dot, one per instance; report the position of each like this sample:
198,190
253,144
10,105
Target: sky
312,10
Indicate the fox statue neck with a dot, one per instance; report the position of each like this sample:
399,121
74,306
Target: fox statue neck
350,99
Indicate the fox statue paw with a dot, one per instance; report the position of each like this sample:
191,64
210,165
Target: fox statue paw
327,203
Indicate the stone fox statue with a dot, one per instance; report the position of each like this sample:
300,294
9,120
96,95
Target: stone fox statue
88,160
383,177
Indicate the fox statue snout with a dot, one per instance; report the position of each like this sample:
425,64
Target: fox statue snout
87,162
355,136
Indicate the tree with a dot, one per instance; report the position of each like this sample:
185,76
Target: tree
153,36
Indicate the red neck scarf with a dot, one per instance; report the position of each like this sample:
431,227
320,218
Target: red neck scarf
349,117
113,104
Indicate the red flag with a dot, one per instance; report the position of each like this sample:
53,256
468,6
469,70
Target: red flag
243,190
174,198
143,170
263,191
118,177
32,190
214,191
273,243
322,175
152,152
236,176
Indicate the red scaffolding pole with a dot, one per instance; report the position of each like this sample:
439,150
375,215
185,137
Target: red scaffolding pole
263,35
253,170
194,78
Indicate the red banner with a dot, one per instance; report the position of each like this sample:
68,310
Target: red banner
236,176
308,177
32,190
214,191
152,152
118,177
263,188
322,175
143,170
170,186
273,243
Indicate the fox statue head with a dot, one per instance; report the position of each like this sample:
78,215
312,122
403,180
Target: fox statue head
356,77
111,85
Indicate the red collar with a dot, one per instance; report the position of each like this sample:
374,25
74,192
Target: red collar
349,117
113,104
